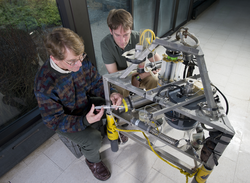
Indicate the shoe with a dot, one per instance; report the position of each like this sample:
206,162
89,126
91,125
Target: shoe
123,137
99,170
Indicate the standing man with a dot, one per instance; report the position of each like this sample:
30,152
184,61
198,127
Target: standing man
64,88
121,39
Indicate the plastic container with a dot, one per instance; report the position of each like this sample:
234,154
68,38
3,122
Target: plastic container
143,116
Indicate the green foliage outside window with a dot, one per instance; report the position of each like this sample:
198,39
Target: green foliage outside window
29,15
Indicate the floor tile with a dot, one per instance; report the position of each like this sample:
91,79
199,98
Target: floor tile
232,150
228,54
245,143
155,176
221,69
13,172
232,90
242,169
218,79
39,151
138,163
42,169
60,154
224,172
169,171
241,70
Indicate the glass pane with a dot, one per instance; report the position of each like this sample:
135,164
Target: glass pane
144,14
98,13
182,14
23,23
166,13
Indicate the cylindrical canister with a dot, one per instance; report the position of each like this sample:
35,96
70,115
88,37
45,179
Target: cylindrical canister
202,174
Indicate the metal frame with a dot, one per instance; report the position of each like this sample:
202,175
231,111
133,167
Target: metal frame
218,119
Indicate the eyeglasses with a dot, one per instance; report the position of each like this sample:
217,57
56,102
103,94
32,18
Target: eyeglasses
73,62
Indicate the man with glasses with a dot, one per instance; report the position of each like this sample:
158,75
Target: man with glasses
67,88
121,39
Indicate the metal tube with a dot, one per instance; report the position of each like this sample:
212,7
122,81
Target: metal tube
206,84
163,137
136,102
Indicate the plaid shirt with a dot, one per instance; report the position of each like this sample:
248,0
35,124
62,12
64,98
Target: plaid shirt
62,98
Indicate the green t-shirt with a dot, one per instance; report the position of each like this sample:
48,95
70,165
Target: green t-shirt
112,53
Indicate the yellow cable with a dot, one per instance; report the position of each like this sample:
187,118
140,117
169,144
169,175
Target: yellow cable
155,125
181,171
128,130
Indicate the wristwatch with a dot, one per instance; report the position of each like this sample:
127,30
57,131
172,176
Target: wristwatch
138,78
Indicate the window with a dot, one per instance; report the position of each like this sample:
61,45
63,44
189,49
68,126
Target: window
98,13
23,23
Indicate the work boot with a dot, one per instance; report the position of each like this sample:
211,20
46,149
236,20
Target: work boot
99,170
123,138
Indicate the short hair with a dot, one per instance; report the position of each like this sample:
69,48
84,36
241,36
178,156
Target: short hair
61,38
119,17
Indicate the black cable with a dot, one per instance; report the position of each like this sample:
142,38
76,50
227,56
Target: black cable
227,106
184,72
190,70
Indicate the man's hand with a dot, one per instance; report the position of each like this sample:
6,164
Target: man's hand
91,117
116,99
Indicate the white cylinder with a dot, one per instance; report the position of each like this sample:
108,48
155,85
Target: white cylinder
173,71
177,71
168,69
163,68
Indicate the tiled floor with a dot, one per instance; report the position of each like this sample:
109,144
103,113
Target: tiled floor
224,33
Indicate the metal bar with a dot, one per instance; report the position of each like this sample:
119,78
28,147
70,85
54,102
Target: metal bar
206,83
106,93
127,71
170,106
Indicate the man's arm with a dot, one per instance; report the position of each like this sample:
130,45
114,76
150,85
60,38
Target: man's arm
54,116
155,58
111,68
